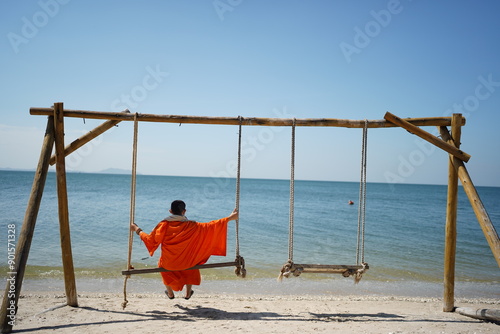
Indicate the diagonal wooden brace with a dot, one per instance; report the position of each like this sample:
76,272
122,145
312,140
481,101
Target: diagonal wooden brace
77,143
427,136
477,205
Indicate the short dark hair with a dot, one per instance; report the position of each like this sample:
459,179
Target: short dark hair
178,207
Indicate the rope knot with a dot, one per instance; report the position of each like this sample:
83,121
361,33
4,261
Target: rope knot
240,270
289,268
359,273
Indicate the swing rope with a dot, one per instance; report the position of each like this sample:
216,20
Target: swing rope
240,268
132,210
292,196
289,267
360,247
238,175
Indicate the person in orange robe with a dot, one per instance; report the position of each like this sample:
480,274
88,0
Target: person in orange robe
185,244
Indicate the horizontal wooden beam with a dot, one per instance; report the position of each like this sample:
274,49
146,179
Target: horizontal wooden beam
159,269
248,121
412,128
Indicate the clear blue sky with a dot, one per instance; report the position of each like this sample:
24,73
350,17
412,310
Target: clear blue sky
303,59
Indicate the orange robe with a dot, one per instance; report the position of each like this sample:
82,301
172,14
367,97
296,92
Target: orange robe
185,244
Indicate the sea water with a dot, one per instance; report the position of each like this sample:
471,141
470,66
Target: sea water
404,233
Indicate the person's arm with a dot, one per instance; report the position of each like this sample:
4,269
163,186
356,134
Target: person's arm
233,216
136,228
153,239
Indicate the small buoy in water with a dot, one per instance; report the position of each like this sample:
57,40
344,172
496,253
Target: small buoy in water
350,202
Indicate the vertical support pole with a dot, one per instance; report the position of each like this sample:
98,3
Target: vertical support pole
62,199
451,220
484,220
15,276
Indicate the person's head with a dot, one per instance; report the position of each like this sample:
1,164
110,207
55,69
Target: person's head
178,207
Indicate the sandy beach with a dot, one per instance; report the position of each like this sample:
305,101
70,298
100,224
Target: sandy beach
45,312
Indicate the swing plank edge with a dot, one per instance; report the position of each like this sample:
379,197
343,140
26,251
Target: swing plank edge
159,269
326,271
329,268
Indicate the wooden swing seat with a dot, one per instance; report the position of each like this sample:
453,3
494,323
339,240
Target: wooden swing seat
236,264
295,269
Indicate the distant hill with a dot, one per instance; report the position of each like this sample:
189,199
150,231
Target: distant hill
115,171
104,171
17,169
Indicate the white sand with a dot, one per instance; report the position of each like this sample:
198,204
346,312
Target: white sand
246,313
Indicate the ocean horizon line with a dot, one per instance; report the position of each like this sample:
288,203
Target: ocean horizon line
125,172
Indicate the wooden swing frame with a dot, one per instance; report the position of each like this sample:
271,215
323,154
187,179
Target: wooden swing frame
54,135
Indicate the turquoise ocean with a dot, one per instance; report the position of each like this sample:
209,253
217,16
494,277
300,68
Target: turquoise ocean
404,234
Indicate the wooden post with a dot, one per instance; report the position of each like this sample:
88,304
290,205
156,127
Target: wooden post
62,197
477,205
15,276
451,220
